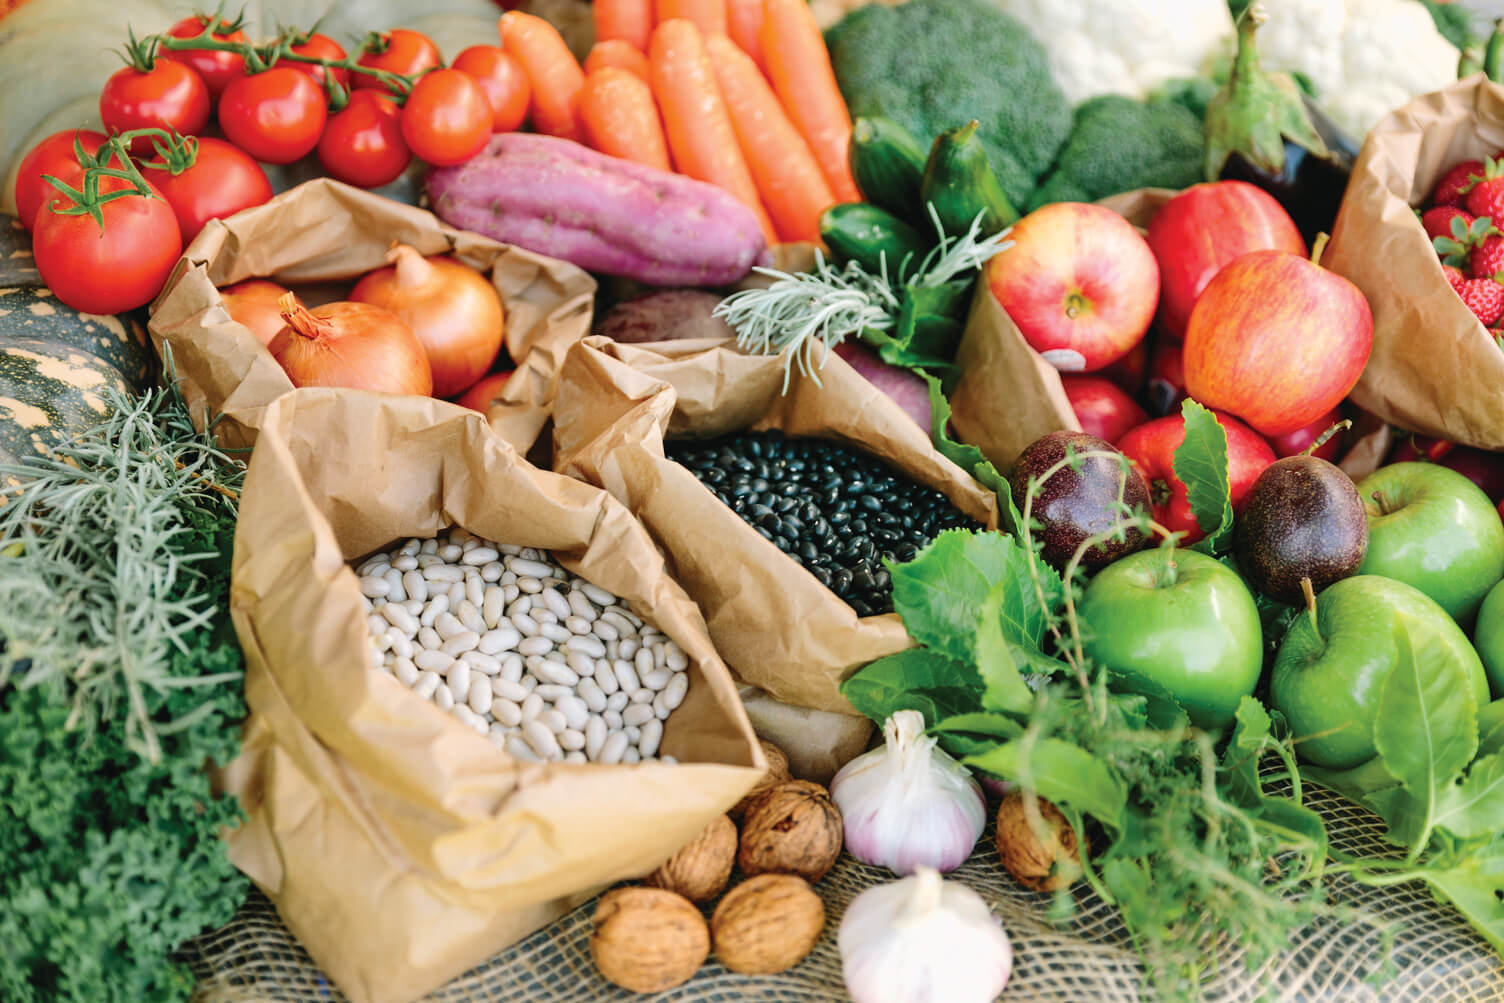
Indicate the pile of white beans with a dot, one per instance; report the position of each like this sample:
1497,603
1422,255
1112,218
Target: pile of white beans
546,664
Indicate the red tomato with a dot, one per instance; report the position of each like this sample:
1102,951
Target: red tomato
397,51
501,77
112,271
53,155
447,119
168,96
215,68
363,145
276,116
321,47
222,181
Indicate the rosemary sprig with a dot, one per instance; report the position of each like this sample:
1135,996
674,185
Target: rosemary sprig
103,551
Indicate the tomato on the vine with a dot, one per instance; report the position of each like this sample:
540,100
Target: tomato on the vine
447,119
53,155
320,47
222,181
114,269
214,67
167,96
397,51
276,116
363,145
500,75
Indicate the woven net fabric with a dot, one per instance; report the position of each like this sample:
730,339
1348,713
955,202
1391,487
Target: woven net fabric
1435,957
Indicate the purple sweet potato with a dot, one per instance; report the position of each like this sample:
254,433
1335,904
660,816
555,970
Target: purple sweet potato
665,315
607,215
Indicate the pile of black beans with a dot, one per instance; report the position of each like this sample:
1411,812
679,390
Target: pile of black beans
835,510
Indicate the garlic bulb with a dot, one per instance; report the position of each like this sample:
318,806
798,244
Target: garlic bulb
923,940
908,804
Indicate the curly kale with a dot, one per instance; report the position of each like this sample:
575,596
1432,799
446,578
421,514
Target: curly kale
932,65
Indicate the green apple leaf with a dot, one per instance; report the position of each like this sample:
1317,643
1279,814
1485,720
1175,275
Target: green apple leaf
1474,883
916,679
1490,733
1062,772
969,458
999,660
996,725
1474,806
1356,783
1201,464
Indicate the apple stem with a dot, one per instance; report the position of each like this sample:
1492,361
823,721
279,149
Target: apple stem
1381,502
1321,439
1310,593
1318,247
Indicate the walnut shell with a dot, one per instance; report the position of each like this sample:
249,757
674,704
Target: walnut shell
701,868
767,924
1044,867
648,939
777,773
791,828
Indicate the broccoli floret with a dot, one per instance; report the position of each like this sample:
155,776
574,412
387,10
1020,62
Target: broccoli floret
932,65
1118,144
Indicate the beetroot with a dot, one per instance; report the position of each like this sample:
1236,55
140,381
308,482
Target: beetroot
910,391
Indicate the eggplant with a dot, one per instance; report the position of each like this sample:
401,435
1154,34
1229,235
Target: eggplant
1261,129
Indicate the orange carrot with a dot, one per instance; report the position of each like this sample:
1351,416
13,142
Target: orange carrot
708,15
743,22
619,53
793,51
788,179
700,134
629,21
551,69
619,118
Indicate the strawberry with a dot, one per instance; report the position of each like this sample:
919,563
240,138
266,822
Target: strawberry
1449,191
1487,259
1457,249
1455,277
1485,197
1438,219
1485,298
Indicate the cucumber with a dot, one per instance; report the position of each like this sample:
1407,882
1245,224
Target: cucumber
864,233
887,163
959,183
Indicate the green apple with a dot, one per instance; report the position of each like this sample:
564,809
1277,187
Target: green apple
1180,620
1488,638
1431,527
1327,676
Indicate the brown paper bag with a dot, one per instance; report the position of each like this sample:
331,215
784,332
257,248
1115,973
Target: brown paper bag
325,231
1434,369
1008,395
401,847
775,625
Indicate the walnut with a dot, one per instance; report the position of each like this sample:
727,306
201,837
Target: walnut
778,772
648,939
767,924
1044,867
701,868
791,828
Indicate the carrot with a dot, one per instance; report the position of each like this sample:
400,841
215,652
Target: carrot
619,53
787,177
743,22
793,51
708,15
695,119
619,118
552,72
629,21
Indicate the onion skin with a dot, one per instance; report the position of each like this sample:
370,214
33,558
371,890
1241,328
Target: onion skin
353,345
254,304
456,314
480,396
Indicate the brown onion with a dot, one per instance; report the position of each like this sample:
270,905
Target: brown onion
254,304
480,396
456,314
354,345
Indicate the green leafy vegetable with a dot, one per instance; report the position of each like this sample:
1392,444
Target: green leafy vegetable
1062,772
1474,806
916,679
1201,464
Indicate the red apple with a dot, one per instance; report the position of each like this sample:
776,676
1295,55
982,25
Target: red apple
1276,340
1129,371
1300,440
1151,447
1079,282
483,392
1101,406
1206,227
1480,466
1166,386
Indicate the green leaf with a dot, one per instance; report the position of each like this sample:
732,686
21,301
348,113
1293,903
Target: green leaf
1356,783
1003,684
1062,772
916,679
1292,823
969,458
1475,806
996,725
1201,464
1428,727
1475,885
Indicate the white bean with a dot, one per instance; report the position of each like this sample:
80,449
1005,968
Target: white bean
644,661
508,690
535,645
448,625
626,676
541,739
479,697
402,645
633,733
461,643
519,749
394,591
511,667
631,755
612,719
405,671
530,585
373,587
492,572
673,693
530,568
429,638
414,585
526,625
556,603
481,662
494,642
413,606
668,759
556,633
492,606
434,661
456,594
532,706
444,697
428,546
591,694
617,701
605,677
596,594
614,749
458,679
622,624
476,556
642,696
552,691
447,573
468,614
628,647
579,664
595,736
575,712
577,624
674,657
511,591
575,757
657,679
555,721
652,735
475,590
506,712
399,618
436,605
571,739
376,623
427,683
543,615
586,644
450,551
524,604
553,672
604,630
660,708
581,606
637,714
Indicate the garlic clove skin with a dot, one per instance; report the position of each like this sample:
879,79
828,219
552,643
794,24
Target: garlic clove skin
909,804
923,940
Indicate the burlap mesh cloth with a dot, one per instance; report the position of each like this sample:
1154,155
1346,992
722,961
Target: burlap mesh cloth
1436,957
